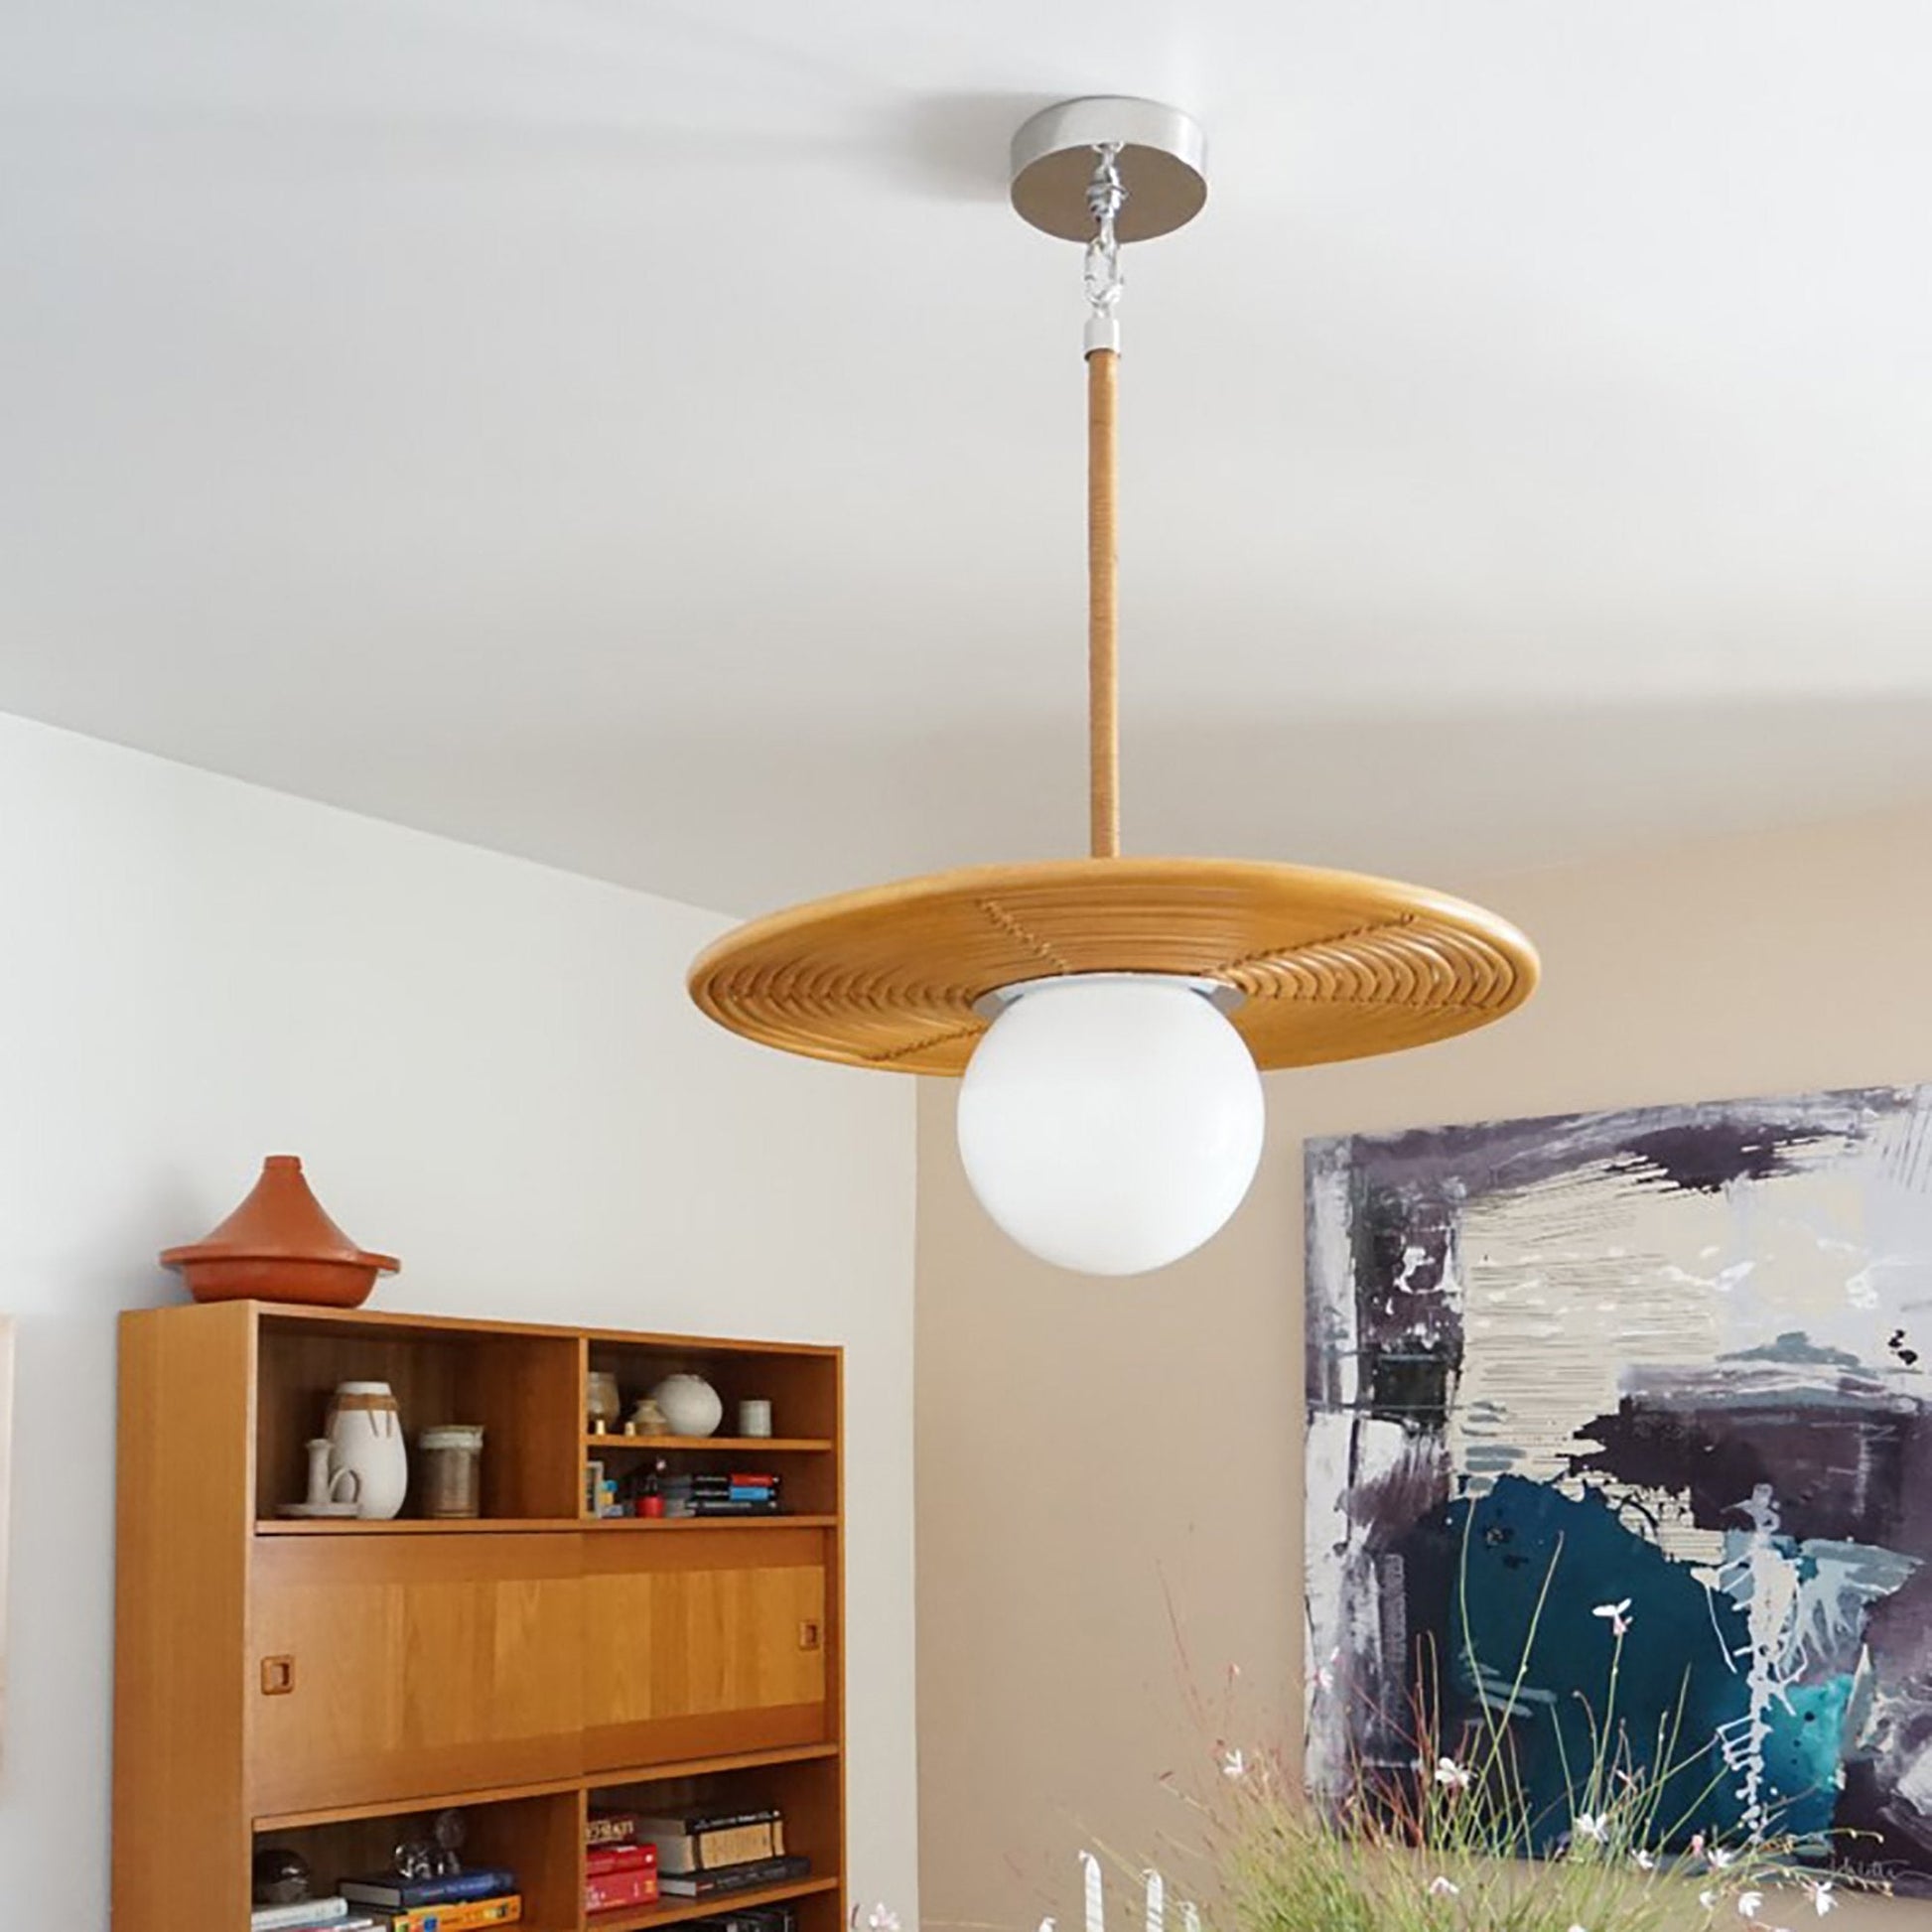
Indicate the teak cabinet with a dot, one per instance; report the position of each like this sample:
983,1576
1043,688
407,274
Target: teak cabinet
325,1684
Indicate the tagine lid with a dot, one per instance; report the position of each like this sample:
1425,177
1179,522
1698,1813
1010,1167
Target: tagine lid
280,1221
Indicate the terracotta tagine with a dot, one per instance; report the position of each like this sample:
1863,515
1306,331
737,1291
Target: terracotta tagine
279,1246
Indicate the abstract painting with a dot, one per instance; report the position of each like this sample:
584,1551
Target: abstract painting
1673,1359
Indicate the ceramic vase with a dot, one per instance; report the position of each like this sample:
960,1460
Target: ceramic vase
690,1404
365,1435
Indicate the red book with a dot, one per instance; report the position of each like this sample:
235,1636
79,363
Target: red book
612,1889
621,1857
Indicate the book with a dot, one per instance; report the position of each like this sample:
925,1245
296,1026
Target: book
754,1918
467,1916
733,1878
611,1828
694,1824
396,1893
709,1845
621,1857
298,1916
606,1891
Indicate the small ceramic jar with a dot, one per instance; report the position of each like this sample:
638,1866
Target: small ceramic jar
451,1470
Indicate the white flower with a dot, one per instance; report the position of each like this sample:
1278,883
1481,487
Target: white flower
1719,1858
1452,1774
1441,1887
1619,1615
1584,1825
882,1918
1234,1764
1821,1896
1749,1902
1708,1900
1646,1861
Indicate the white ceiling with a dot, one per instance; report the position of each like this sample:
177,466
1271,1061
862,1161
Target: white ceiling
638,436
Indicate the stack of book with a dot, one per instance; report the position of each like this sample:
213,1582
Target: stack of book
709,1854
756,1918
311,1915
466,1901
720,1495
618,1871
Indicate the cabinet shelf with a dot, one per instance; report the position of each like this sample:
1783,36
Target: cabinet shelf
296,1820
525,1525
657,1524
675,1911
699,1767
669,1771
417,1526
706,1445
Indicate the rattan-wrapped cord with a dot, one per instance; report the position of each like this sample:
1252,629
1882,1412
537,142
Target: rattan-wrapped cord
1103,603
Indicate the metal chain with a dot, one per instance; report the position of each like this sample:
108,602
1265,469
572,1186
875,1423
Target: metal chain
1106,196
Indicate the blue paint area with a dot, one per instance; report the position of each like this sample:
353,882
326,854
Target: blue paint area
1803,1753
1674,1658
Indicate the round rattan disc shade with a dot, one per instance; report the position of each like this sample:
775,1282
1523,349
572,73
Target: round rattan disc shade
1334,966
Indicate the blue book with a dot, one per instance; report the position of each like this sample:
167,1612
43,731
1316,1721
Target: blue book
397,1893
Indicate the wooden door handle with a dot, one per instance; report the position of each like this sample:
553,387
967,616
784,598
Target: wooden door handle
278,1675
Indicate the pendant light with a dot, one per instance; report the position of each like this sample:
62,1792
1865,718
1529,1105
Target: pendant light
1109,1014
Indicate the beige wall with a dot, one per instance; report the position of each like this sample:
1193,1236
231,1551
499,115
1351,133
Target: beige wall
1089,1453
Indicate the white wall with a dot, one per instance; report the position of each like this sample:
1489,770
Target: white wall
492,1071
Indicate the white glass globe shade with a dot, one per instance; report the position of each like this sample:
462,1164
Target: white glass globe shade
1111,1123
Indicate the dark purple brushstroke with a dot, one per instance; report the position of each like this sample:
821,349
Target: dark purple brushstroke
1753,1136
1898,1643
1855,1466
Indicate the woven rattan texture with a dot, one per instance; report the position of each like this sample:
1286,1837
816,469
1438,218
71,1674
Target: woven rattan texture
1334,965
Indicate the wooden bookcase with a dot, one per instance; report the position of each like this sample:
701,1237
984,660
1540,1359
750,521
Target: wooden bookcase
327,1685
